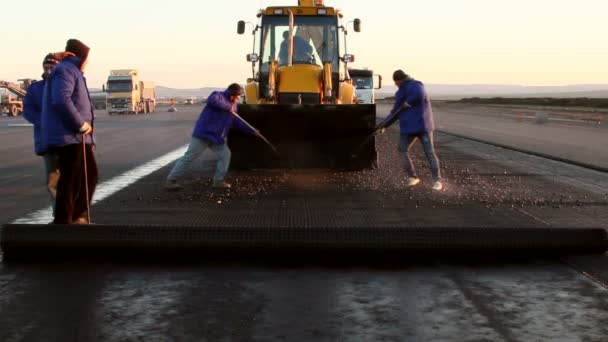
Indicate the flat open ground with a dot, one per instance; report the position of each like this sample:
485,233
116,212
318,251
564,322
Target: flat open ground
431,299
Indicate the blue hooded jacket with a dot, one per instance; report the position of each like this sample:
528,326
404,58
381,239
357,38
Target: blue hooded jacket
66,105
418,118
215,121
32,111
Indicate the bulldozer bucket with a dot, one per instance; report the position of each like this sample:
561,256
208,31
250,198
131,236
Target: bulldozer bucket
306,136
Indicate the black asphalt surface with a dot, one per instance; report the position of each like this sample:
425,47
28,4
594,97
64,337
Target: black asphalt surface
123,143
510,299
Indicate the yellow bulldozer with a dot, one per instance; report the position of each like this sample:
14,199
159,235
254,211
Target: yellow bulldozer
300,95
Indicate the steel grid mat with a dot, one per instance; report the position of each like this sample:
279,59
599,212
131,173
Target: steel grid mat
23,235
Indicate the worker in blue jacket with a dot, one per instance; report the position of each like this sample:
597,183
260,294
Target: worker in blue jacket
413,110
32,112
67,120
211,131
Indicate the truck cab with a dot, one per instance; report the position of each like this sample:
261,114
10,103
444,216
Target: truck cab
127,94
365,83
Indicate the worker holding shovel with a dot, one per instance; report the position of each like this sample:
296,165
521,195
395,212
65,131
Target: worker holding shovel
67,131
416,123
413,110
211,131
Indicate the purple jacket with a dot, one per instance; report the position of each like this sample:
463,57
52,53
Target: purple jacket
215,120
66,105
418,118
32,111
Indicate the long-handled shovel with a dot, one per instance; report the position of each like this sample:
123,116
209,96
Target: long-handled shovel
365,142
378,129
86,178
257,134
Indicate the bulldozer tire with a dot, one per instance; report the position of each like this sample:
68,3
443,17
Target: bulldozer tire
13,111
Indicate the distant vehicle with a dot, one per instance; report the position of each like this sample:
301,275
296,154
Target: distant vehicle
172,107
190,101
126,93
11,98
98,98
363,80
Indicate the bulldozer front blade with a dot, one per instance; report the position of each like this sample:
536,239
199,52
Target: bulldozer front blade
305,136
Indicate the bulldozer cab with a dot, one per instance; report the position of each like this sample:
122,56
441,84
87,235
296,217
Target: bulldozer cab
314,41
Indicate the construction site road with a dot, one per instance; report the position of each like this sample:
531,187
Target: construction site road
429,299
127,142
579,136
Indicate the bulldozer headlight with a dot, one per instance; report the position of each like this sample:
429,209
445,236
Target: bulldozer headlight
322,11
278,11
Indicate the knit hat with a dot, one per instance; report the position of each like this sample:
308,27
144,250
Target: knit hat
50,59
78,48
235,89
399,75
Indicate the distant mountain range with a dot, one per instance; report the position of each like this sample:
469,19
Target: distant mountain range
441,91
455,91
177,93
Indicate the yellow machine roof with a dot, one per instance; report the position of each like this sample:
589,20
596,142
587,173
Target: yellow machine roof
304,7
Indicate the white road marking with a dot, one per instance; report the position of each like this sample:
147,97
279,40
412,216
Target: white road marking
111,186
20,125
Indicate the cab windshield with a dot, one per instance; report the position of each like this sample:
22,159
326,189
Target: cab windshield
315,40
120,86
363,82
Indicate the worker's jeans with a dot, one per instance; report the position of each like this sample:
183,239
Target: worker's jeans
51,165
196,147
406,141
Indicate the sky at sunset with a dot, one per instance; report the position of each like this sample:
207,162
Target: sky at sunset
193,43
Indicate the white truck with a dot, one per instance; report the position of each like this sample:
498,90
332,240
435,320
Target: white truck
127,94
365,82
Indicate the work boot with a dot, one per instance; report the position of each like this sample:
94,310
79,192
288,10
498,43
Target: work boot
172,184
437,186
220,184
411,181
82,220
